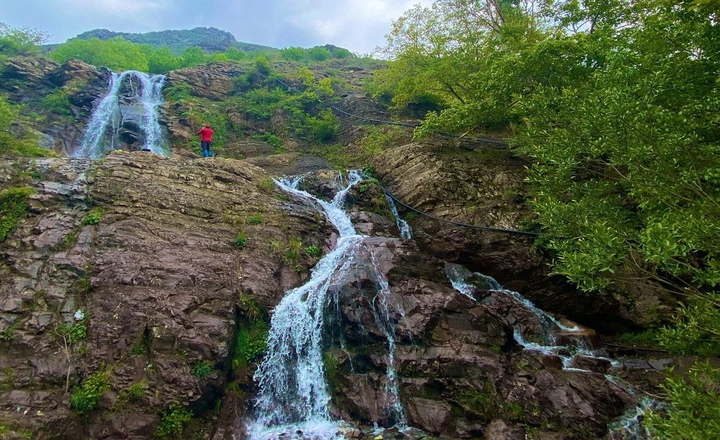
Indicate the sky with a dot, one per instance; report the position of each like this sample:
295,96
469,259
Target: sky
357,25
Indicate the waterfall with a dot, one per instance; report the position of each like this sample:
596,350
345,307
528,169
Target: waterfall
293,395
630,423
403,226
106,120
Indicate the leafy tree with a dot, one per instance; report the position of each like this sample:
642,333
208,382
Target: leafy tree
235,54
160,60
116,54
20,41
318,53
293,53
193,56
618,104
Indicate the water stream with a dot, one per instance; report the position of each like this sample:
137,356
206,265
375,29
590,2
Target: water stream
630,423
403,226
293,398
101,134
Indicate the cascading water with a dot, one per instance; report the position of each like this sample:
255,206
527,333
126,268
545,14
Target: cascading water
459,276
403,226
106,119
630,424
293,395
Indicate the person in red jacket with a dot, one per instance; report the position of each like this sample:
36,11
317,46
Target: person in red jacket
206,134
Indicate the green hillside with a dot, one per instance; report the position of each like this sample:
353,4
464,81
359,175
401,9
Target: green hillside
209,39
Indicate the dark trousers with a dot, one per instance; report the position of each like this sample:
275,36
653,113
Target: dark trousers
205,146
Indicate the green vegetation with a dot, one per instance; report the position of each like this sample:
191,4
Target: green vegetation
8,333
313,251
266,184
331,368
57,102
116,54
255,219
25,144
616,104
20,41
252,333
13,206
75,332
93,216
292,251
202,370
173,421
85,396
241,240
134,392
693,399
380,137
251,342
481,402
314,54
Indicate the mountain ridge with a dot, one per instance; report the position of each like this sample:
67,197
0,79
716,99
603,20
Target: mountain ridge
209,39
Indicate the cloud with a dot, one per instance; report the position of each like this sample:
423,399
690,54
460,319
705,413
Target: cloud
359,25
134,8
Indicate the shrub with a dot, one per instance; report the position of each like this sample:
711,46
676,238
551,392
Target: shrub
255,219
241,240
93,217
173,421
57,102
86,396
134,392
75,332
251,342
13,206
266,184
313,251
202,370
694,406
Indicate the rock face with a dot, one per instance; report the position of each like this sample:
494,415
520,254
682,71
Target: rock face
125,292
487,190
72,88
156,285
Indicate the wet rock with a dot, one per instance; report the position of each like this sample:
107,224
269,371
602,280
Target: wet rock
487,192
499,430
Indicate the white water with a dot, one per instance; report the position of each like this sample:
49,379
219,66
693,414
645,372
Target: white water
459,276
630,424
403,226
293,398
107,113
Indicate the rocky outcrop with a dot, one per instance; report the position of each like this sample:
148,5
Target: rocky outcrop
139,291
486,189
73,87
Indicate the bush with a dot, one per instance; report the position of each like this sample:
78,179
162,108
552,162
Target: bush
173,421
85,397
313,251
202,370
255,219
93,217
13,206
241,240
694,407
251,341
57,102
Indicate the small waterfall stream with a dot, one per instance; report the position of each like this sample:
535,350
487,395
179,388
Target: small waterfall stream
102,133
629,424
403,226
293,398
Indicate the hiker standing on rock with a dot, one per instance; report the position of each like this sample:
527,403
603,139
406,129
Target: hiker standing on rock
206,134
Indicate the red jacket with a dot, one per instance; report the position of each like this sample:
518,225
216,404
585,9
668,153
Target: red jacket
206,134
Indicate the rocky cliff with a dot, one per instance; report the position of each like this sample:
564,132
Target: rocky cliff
136,291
